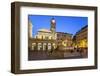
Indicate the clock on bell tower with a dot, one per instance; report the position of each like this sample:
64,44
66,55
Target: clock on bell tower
53,25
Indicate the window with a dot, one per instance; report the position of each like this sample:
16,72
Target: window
39,46
49,46
33,46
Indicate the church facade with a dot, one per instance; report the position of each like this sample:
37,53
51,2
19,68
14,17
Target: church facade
48,39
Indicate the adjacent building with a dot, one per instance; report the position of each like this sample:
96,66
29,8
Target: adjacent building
64,40
80,40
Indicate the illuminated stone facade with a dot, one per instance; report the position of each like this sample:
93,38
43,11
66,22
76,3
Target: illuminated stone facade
30,29
64,40
49,39
81,38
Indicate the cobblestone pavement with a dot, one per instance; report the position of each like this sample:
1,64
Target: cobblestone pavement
43,55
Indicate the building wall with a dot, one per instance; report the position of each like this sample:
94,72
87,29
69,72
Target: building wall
30,29
39,44
81,38
65,39
45,35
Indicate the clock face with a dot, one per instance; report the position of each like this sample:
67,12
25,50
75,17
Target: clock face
53,21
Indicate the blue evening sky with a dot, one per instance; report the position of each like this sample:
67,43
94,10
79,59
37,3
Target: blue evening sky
67,24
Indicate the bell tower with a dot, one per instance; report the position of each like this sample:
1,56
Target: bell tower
53,28
53,25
